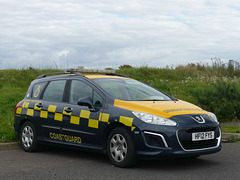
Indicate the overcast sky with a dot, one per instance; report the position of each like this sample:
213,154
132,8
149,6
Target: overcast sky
110,33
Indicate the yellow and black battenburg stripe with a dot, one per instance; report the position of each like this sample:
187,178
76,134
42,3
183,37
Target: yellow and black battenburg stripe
30,107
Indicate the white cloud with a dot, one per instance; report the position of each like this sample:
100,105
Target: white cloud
108,33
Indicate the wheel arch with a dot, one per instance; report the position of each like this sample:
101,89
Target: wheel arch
121,151
109,129
28,136
21,124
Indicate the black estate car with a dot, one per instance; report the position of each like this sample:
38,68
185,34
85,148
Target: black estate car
113,114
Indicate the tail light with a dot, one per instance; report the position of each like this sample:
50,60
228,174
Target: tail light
18,105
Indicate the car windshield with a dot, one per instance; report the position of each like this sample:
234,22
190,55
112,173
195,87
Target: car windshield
131,90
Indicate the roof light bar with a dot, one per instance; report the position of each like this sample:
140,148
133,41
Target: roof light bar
82,70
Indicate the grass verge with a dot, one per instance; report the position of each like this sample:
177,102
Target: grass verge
230,128
182,82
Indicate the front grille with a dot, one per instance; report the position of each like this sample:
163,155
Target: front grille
201,129
185,138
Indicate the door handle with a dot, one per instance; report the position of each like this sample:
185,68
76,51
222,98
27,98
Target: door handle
39,105
68,110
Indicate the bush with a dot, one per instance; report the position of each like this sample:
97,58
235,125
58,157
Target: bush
125,66
221,98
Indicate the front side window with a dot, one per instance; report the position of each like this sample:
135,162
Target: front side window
131,90
54,91
80,89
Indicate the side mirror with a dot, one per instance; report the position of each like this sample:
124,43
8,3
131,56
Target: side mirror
86,101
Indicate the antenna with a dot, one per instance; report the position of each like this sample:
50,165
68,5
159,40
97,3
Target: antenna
55,64
67,59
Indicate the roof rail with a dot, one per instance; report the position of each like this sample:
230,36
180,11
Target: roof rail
58,73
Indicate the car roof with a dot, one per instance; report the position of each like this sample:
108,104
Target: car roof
69,75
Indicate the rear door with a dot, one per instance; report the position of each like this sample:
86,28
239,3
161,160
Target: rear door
51,110
63,121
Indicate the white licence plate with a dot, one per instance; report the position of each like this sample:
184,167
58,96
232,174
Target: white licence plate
199,136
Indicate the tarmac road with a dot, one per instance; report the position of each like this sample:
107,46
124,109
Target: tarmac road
55,163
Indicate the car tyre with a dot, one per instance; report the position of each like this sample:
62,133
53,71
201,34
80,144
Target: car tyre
121,148
28,137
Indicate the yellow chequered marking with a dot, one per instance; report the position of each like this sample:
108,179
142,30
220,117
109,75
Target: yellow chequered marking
52,108
30,112
105,117
93,123
75,120
126,120
100,117
36,108
25,105
58,117
65,113
43,114
85,114
19,111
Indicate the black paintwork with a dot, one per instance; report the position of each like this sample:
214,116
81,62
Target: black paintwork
147,146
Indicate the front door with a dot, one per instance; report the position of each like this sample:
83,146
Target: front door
80,120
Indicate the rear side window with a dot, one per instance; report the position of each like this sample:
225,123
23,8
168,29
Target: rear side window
54,91
37,90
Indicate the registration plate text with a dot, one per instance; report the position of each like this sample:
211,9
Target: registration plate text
199,136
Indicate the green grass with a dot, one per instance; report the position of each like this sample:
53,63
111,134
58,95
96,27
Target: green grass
183,82
232,138
13,87
230,128
6,128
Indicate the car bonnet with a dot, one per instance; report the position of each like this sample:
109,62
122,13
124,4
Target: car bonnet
164,109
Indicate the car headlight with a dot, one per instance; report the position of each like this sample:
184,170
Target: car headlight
153,119
213,116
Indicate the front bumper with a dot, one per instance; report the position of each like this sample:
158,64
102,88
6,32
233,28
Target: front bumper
154,142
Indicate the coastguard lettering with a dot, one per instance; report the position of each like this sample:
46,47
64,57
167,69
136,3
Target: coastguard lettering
64,137
181,109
